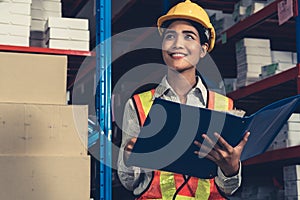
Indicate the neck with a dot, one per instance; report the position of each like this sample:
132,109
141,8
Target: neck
182,82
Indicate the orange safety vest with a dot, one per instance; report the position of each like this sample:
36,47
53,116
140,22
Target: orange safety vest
164,184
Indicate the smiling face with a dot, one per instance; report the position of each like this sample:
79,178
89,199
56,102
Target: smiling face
181,46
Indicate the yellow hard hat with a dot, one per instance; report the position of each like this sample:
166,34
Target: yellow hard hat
191,11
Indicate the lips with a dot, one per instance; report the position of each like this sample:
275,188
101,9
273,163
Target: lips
177,55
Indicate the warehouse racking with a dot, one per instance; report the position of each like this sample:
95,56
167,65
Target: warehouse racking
263,24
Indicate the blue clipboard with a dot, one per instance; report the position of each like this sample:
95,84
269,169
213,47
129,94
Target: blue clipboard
166,140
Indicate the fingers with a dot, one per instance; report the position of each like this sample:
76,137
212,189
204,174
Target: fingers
244,140
209,142
206,155
206,151
223,142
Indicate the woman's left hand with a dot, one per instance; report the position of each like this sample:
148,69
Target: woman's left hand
223,154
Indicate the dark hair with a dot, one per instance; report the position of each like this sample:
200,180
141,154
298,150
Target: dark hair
204,33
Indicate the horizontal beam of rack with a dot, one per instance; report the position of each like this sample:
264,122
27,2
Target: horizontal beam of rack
291,74
275,155
45,50
237,30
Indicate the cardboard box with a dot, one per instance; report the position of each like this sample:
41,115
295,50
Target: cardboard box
39,35
33,78
291,173
15,8
15,19
291,188
290,142
295,117
15,30
36,129
37,25
69,44
13,40
44,177
43,15
68,34
248,75
282,56
293,126
45,5
253,42
254,7
261,51
18,1
249,67
295,59
263,60
37,43
69,23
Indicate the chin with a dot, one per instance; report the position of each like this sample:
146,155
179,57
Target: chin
181,69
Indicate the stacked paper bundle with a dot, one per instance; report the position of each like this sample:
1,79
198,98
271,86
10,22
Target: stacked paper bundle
15,22
40,11
281,61
67,33
251,55
289,135
291,177
221,21
43,150
245,8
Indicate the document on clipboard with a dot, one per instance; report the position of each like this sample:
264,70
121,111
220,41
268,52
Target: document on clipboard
166,140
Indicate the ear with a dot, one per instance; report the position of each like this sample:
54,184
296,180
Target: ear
204,48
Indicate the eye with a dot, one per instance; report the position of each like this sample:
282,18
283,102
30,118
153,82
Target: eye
169,36
189,37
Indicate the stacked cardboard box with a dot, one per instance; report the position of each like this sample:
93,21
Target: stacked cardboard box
254,7
67,33
43,150
289,134
245,8
15,22
221,21
229,84
281,61
40,11
251,55
291,177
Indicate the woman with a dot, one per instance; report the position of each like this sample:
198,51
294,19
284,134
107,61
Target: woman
187,38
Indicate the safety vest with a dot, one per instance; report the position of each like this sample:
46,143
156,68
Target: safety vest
164,184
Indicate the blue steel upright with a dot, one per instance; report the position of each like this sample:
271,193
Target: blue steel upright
298,32
103,94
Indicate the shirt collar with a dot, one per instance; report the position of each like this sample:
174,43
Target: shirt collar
164,87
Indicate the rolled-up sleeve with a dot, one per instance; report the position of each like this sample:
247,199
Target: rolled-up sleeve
132,178
229,185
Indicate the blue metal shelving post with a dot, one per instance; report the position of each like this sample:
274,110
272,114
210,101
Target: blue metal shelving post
298,32
103,94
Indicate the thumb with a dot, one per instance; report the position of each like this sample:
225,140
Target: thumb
244,140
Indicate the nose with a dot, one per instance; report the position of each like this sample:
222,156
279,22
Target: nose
178,42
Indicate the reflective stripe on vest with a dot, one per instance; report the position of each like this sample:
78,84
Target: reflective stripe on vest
143,103
219,102
165,184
